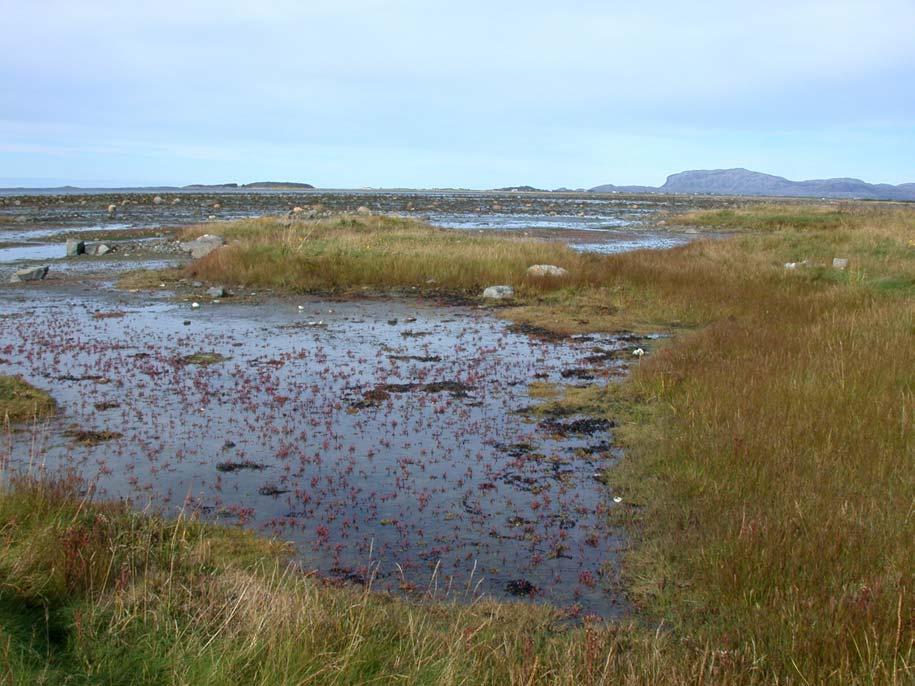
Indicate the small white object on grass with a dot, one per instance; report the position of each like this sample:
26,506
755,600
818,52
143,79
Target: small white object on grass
638,352
617,499
195,305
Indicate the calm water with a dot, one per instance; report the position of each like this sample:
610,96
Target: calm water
355,448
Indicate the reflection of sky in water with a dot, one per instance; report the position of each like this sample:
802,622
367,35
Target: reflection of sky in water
31,234
524,221
636,242
32,252
417,479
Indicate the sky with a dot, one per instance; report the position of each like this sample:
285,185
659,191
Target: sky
366,93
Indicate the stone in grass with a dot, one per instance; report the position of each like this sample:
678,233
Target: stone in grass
29,274
75,247
839,263
546,270
499,293
203,246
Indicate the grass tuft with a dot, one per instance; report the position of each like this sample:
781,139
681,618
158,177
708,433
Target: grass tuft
20,401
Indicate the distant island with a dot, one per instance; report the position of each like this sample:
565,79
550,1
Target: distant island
746,182
519,189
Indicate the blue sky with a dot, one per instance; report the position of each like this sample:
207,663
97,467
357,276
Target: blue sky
352,93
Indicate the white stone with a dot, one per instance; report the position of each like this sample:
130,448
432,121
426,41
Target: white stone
499,293
839,263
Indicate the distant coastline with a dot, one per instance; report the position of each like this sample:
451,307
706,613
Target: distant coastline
720,182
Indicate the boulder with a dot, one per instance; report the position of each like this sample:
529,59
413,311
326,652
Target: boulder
363,210
839,263
217,292
102,249
29,274
75,247
499,293
543,270
158,200
112,209
203,246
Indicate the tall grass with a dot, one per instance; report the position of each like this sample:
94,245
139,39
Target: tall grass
771,452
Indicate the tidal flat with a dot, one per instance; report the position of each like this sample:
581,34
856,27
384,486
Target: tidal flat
390,439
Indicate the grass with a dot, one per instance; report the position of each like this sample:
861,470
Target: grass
356,253
93,593
21,402
768,482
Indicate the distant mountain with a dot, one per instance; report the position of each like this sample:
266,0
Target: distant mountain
278,185
746,182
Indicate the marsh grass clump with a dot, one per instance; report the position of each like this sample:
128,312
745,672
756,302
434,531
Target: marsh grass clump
20,401
91,437
378,253
203,359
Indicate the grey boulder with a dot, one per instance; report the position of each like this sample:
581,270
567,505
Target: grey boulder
203,246
217,292
75,247
29,274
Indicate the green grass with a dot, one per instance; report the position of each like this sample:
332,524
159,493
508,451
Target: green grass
19,401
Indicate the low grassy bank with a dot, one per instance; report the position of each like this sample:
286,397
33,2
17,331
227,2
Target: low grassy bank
768,482
771,453
352,253
96,594
20,402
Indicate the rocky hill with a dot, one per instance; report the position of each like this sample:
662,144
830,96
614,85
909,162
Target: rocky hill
746,182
